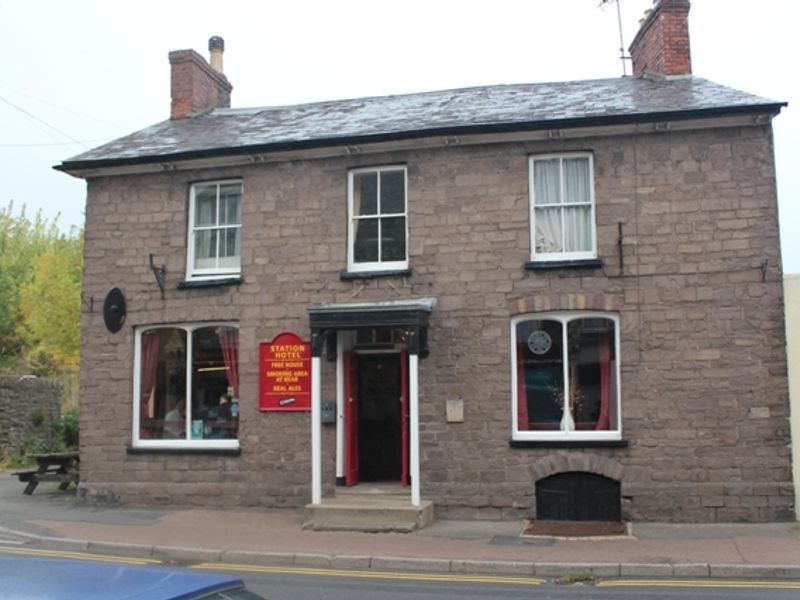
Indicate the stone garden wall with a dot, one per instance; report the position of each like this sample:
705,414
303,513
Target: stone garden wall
27,408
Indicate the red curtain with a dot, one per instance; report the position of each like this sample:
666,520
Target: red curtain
151,346
605,383
522,394
229,342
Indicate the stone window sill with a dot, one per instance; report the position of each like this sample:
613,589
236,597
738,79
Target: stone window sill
185,451
550,265
355,275
568,444
206,283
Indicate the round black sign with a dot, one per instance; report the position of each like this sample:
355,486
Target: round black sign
114,310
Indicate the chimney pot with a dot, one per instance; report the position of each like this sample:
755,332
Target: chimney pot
216,42
216,46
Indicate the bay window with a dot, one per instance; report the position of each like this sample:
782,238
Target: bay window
565,370
186,386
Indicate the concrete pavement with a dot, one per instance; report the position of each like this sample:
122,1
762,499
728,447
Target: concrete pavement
52,519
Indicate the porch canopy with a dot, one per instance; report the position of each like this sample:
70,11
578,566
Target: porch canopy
325,320
410,315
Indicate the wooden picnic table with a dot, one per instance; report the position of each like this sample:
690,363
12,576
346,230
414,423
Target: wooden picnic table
57,466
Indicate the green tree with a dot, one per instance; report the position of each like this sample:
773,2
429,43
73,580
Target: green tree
40,287
51,308
22,241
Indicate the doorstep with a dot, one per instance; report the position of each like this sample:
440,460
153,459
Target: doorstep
370,508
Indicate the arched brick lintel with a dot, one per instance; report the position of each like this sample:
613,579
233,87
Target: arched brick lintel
546,302
563,462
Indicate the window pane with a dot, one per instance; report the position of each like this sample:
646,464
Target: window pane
546,182
393,239
162,384
578,228
540,375
576,180
211,415
205,205
365,193
229,249
592,373
393,192
205,249
230,199
548,230
229,242
365,248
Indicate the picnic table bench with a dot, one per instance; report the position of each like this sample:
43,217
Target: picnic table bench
58,466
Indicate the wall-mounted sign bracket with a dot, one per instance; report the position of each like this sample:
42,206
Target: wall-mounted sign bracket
87,302
160,274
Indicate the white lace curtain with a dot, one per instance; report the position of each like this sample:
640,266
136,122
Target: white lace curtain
562,205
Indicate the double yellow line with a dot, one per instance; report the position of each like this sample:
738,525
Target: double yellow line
493,579
126,560
399,576
452,578
703,583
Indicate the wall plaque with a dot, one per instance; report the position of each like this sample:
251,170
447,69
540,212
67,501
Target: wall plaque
285,374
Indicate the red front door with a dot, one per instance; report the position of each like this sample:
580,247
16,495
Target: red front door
350,419
376,424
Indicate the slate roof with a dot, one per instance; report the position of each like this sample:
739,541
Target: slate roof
450,112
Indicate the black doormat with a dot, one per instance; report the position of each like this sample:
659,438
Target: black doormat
575,528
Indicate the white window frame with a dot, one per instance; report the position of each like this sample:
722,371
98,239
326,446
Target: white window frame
178,444
395,265
218,273
560,256
564,317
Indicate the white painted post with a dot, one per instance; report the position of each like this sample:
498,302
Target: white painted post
316,432
413,389
339,407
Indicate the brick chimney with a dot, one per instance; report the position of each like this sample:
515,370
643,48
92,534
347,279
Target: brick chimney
662,45
196,85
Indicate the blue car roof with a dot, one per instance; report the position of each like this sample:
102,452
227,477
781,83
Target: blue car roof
27,577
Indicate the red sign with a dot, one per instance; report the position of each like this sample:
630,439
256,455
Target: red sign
285,374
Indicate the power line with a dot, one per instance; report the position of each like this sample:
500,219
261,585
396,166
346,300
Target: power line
63,108
82,142
45,123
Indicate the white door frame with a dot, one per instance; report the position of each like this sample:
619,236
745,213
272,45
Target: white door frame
316,427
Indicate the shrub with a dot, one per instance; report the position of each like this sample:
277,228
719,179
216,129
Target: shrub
71,428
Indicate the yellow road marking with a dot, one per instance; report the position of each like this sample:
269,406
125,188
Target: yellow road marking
370,574
81,556
703,583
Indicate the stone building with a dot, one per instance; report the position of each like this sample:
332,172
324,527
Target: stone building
554,300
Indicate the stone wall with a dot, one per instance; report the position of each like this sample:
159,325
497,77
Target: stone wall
27,409
703,370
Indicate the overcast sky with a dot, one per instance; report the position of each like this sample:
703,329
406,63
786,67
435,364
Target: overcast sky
78,73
